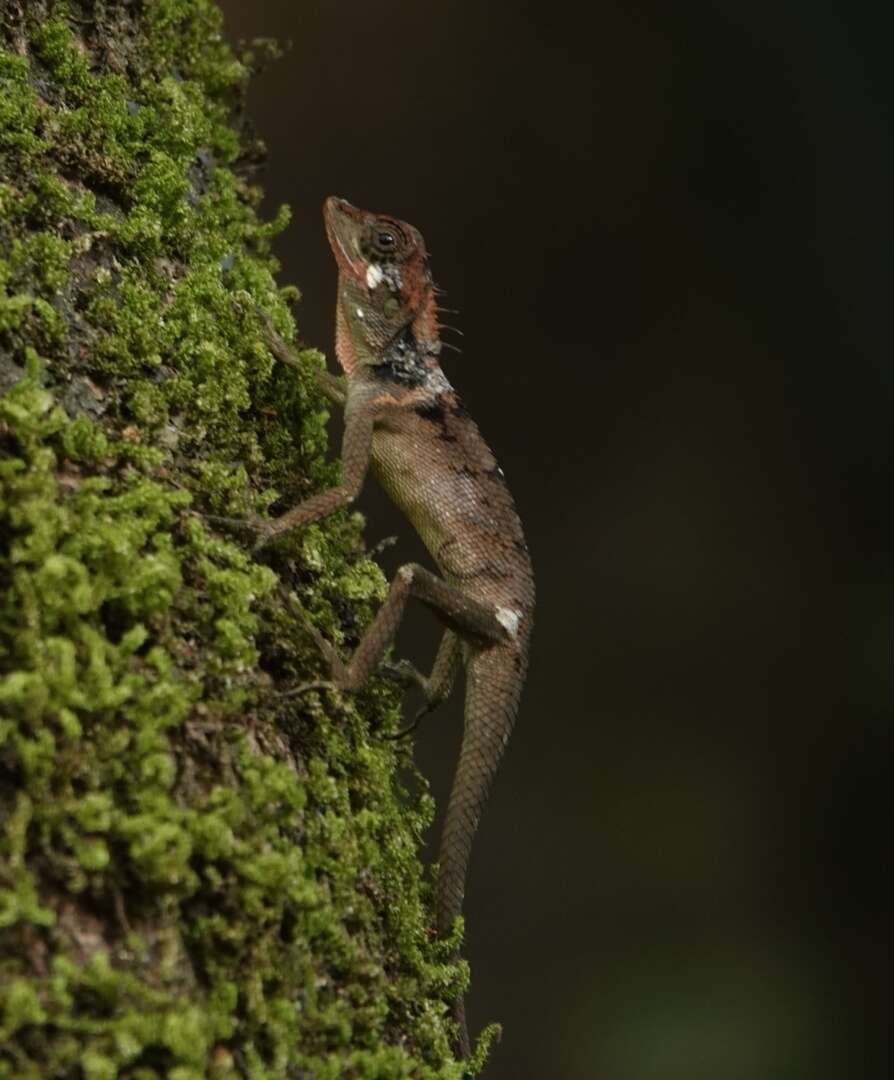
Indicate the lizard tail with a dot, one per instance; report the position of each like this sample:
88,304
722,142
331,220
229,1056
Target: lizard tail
493,688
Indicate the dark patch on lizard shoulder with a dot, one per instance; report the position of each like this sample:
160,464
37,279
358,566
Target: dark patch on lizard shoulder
401,374
431,410
435,412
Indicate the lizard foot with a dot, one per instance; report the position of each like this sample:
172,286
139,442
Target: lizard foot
304,688
259,528
406,674
327,650
331,659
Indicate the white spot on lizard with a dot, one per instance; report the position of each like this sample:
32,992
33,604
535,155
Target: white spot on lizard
392,275
374,275
436,381
360,313
508,619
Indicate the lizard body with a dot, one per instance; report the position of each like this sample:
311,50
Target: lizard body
403,418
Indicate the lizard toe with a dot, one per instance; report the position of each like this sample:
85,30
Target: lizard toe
304,688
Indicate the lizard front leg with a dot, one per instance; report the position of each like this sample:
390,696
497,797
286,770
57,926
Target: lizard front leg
333,386
355,453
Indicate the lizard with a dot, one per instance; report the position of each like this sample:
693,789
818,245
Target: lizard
405,423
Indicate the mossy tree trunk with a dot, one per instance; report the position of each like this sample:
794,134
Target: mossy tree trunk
198,877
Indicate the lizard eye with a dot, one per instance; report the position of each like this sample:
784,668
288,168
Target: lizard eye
384,240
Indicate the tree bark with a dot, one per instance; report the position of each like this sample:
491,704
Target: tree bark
198,876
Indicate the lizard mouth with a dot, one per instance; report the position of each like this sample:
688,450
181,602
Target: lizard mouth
341,230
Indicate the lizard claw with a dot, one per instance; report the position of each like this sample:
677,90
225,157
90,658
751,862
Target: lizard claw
421,712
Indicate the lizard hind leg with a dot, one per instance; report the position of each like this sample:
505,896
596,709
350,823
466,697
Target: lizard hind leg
463,614
466,617
435,687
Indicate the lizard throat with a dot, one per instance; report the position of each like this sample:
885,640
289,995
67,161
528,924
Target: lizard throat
412,363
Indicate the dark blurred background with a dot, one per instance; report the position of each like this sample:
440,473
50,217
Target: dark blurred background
665,228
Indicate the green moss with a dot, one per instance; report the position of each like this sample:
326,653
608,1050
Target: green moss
197,876
20,109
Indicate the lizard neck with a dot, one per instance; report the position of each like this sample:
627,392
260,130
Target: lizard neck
410,359
387,319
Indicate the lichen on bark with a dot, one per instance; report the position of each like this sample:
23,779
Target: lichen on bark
198,877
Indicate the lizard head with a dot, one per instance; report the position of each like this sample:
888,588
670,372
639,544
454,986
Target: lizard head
385,290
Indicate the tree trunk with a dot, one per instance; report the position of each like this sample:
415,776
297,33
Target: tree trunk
198,876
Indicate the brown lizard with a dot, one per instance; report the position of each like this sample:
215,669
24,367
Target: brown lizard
404,420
